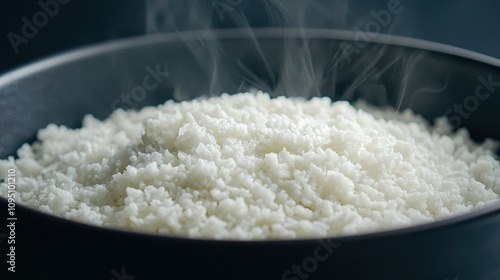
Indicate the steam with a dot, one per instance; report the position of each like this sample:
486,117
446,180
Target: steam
306,67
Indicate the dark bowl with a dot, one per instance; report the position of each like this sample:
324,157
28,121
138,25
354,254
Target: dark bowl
436,80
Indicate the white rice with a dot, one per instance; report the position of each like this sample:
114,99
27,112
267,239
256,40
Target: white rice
247,166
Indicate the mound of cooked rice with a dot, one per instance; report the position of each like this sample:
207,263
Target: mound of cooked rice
248,166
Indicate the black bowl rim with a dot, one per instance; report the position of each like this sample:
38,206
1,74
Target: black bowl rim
332,34
298,33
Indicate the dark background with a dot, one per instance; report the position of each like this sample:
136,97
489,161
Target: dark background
468,24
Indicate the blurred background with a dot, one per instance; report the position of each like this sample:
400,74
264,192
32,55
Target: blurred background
31,30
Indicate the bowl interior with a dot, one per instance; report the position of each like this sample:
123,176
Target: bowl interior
434,79
100,79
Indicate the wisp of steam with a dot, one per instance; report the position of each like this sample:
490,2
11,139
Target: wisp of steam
304,68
